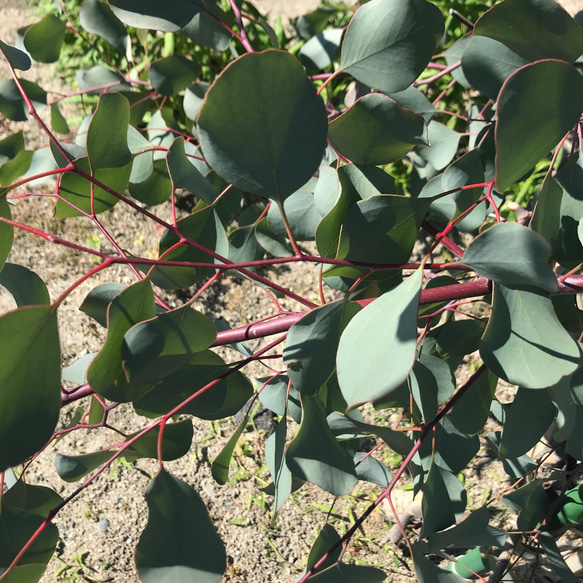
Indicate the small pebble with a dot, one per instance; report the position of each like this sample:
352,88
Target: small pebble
103,525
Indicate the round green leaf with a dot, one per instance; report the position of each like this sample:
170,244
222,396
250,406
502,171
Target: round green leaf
262,127
322,49
376,130
179,542
534,29
107,142
96,17
524,329
550,92
302,215
377,348
513,255
44,39
156,15
30,382
172,74
389,42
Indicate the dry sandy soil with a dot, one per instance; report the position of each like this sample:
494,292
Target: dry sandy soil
100,528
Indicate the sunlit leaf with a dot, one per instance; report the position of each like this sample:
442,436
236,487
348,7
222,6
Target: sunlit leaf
523,329
377,348
271,139
389,42
220,465
548,91
511,254
44,39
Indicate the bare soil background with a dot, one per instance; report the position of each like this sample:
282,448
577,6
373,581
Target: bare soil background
100,528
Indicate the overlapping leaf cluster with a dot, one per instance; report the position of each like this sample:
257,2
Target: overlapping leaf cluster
282,149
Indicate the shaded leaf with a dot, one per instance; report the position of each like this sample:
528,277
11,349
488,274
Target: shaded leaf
203,227
315,455
224,399
179,541
176,441
17,58
98,299
524,328
96,17
194,98
264,142
172,74
12,105
275,458
371,470
389,42
6,233
156,188
382,229
151,14
302,215
470,413
24,285
44,39
534,29
30,382
158,347
184,173
16,528
376,130
429,572
220,465
444,500
73,467
38,500
76,189
487,63
349,574
327,538
310,349
96,77
548,91
511,254
387,326
322,49
205,30
472,531
106,374
529,416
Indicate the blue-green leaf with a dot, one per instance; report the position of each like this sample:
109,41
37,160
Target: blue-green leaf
377,348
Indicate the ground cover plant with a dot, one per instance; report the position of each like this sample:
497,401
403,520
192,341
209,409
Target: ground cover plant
286,150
